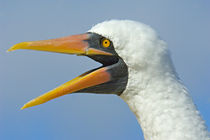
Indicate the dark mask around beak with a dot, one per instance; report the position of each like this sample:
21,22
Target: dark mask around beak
110,78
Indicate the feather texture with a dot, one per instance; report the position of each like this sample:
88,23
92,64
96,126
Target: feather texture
154,92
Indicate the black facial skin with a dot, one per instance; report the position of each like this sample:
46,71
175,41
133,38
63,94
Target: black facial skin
115,65
95,41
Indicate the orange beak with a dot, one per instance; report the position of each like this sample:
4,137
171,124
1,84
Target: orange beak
76,44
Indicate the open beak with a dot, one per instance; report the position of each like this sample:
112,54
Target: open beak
76,44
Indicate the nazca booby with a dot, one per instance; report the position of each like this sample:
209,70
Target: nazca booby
136,66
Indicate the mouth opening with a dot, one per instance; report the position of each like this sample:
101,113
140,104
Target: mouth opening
102,59
84,82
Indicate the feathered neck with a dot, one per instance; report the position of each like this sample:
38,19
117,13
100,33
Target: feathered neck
154,92
164,109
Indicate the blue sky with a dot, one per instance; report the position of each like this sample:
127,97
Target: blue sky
184,25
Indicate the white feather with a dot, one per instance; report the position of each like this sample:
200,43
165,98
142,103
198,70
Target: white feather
154,92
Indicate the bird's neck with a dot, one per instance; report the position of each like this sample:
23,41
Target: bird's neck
164,109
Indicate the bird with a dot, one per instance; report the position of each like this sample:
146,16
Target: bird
137,67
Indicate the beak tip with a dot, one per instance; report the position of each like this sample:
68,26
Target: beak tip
10,49
21,45
24,106
13,48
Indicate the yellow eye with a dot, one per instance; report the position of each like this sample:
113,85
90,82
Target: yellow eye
106,43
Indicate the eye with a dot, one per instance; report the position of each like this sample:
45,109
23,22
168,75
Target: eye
106,43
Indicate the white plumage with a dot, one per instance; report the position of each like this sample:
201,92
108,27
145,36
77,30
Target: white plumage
154,92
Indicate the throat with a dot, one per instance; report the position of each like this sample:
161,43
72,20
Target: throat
164,110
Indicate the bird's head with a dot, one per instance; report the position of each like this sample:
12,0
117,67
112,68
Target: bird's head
127,50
